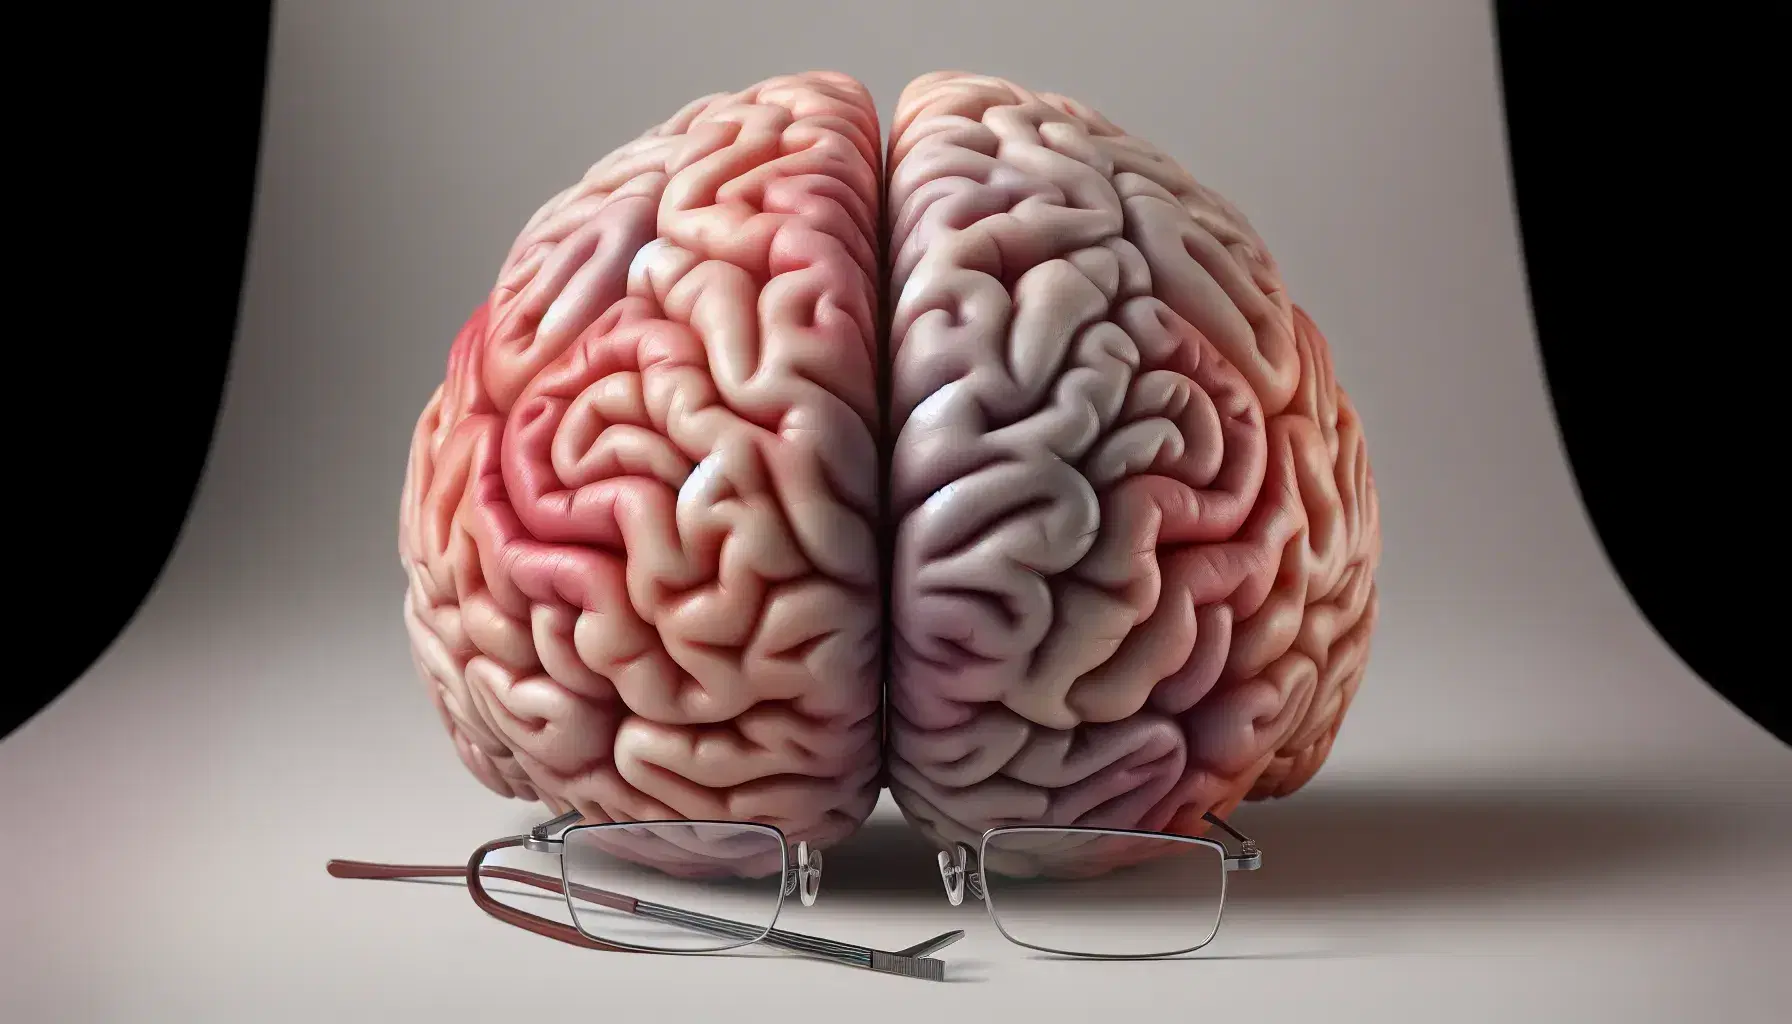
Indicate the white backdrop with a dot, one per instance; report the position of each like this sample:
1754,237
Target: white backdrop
1532,808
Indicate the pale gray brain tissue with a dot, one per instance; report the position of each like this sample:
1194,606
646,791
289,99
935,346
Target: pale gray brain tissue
1134,525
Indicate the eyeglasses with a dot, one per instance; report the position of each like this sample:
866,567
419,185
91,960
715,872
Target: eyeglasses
742,873
1101,893
1049,888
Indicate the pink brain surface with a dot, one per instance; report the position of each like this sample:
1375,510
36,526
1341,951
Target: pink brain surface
640,515
1135,529
1098,471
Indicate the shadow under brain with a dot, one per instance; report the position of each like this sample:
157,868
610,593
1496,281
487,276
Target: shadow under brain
1341,843
1351,842
1347,842
885,856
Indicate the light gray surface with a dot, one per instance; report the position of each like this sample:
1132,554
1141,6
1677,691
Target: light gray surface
1532,809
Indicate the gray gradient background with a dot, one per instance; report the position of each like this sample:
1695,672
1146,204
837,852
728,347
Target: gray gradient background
1533,808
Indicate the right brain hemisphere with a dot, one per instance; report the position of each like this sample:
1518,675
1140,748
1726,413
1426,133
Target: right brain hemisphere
1135,527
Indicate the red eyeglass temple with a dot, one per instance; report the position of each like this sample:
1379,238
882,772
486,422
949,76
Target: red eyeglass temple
475,869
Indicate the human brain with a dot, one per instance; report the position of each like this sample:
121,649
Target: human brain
1012,479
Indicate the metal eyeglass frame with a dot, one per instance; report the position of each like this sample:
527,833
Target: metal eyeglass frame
958,875
803,879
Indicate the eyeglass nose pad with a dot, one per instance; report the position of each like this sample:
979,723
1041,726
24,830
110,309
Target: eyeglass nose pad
808,873
952,875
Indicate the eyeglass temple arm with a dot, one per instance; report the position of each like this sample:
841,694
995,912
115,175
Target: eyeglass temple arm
910,962
472,873
1249,858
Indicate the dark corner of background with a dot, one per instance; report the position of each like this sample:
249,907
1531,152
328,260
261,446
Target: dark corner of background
148,140
1637,143
1627,167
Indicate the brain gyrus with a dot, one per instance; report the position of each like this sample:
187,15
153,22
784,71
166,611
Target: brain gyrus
639,520
1120,509
1134,526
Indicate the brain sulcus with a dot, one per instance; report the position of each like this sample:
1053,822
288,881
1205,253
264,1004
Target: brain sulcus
1077,507
1134,525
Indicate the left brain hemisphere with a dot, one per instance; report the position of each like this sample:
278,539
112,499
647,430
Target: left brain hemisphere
639,515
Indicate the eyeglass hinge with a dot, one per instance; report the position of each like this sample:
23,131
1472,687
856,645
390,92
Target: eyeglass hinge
1249,858
539,839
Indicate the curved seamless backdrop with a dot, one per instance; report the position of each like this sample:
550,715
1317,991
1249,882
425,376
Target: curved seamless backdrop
200,92
1575,126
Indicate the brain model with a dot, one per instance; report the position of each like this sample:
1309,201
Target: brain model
1002,471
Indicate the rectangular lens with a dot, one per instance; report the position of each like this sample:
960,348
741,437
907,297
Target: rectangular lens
1101,892
674,886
